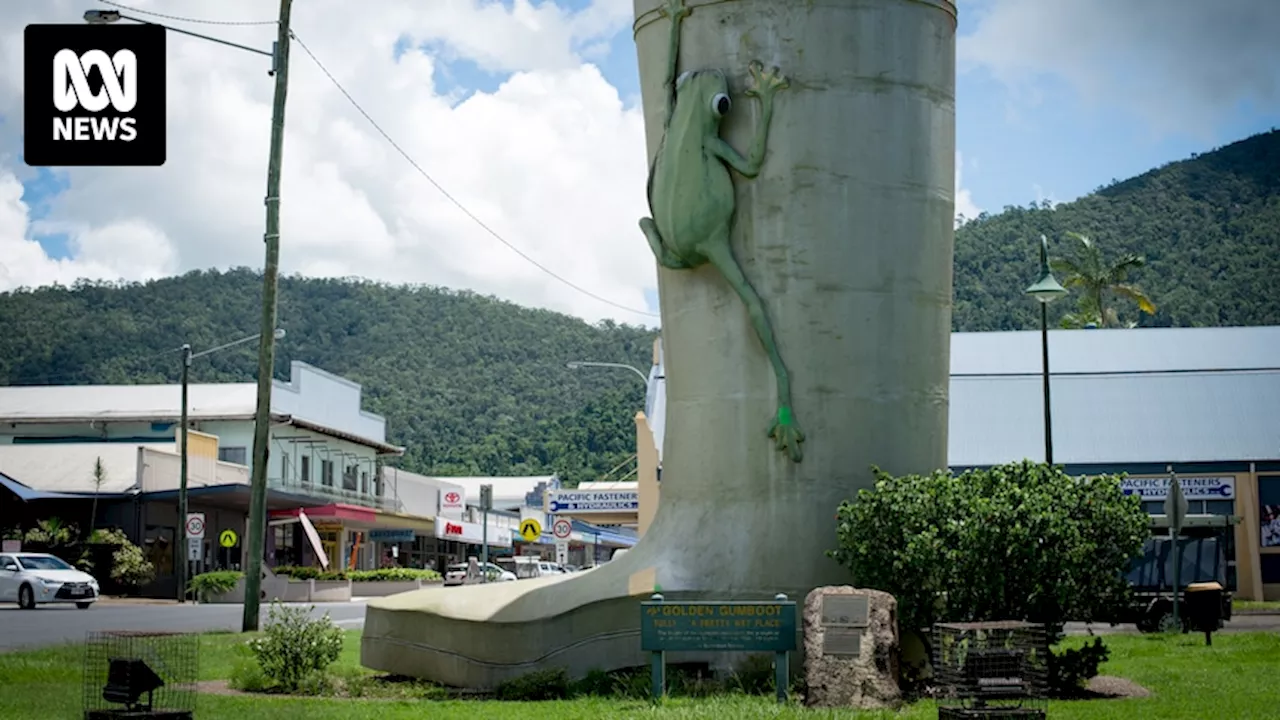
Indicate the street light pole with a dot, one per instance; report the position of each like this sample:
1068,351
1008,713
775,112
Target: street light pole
266,350
575,364
182,551
1046,290
182,564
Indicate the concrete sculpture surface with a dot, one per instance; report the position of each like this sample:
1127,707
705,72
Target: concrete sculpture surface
846,235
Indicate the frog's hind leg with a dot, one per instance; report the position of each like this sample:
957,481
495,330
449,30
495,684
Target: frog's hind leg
785,430
666,258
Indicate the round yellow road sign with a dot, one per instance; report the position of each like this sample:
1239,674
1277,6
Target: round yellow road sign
530,530
228,538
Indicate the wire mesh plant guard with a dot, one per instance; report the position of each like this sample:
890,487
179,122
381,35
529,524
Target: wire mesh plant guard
140,674
991,669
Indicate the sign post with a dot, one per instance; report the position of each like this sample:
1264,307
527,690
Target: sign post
562,529
486,502
729,626
195,542
1175,508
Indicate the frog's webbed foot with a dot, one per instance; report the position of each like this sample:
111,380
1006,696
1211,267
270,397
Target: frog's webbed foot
666,258
676,10
787,434
764,84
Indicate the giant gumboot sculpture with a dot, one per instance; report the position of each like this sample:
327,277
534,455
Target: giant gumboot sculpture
807,280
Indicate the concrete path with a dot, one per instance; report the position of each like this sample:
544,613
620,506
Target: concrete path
57,624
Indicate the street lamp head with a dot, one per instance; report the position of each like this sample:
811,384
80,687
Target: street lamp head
101,17
1046,289
278,334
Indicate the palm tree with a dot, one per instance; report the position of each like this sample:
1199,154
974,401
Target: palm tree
1098,279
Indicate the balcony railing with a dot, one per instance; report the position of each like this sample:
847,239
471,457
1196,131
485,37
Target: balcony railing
335,494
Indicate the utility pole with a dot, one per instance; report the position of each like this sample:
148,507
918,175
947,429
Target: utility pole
266,348
486,503
183,557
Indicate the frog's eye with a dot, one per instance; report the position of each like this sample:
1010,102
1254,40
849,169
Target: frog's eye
720,104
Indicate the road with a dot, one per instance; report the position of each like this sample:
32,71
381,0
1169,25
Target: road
57,624
1238,623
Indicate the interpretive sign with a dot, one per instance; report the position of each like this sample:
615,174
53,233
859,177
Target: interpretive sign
725,626
842,642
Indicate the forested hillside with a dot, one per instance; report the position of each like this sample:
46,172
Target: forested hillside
1209,228
472,385
469,384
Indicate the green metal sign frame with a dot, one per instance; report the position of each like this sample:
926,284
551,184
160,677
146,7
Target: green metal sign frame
718,626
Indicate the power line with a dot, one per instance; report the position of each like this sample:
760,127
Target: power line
444,192
187,19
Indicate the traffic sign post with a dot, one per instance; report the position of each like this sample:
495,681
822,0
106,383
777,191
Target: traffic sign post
486,503
1175,508
562,529
562,552
195,549
530,529
228,539
195,525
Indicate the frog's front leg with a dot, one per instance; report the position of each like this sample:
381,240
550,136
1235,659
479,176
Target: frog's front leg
666,258
785,430
763,86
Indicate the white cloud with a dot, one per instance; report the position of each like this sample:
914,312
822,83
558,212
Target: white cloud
965,206
552,160
1182,66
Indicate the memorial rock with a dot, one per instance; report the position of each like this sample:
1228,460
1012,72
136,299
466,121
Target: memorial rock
851,648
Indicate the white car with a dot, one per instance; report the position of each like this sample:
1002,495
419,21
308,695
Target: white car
32,579
457,574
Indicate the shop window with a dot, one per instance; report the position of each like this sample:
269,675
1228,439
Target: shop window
235,455
304,469
1153,507
1269,512
349,478
326,472
364,482
1219,507
1270,569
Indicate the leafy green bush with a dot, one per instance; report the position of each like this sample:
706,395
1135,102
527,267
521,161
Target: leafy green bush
551,684
206,585
130,567
392,575
295,649
1019,541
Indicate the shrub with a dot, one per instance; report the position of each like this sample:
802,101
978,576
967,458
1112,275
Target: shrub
296,649
130,567
1018,541
551,684
206,585
1069,669
392,574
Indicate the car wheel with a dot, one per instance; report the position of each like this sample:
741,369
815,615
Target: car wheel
84,605
26,598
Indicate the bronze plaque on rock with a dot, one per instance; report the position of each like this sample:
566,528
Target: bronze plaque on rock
842,642
844,610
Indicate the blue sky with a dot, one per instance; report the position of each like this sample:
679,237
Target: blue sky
1059,148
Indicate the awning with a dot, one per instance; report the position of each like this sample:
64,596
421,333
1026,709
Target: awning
26,493
334,512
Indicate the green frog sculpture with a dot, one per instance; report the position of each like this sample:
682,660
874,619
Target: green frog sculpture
691,195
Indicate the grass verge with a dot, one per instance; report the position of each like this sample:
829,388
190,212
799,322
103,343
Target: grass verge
1233,678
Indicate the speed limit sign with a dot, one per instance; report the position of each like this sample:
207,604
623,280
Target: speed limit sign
562,529
195,525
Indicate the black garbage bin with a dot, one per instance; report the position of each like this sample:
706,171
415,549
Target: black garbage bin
1203,602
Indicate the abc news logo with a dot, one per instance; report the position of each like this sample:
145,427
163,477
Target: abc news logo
94,95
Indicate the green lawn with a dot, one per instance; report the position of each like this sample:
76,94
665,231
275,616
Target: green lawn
1271,605
1234,678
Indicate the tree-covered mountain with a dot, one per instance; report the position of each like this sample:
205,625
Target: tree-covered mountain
1208,228
473,385
469,384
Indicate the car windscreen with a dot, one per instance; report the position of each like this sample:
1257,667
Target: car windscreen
37,562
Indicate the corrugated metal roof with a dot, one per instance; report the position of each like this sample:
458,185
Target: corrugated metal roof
1117,350
1117,419
68,467
106,402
